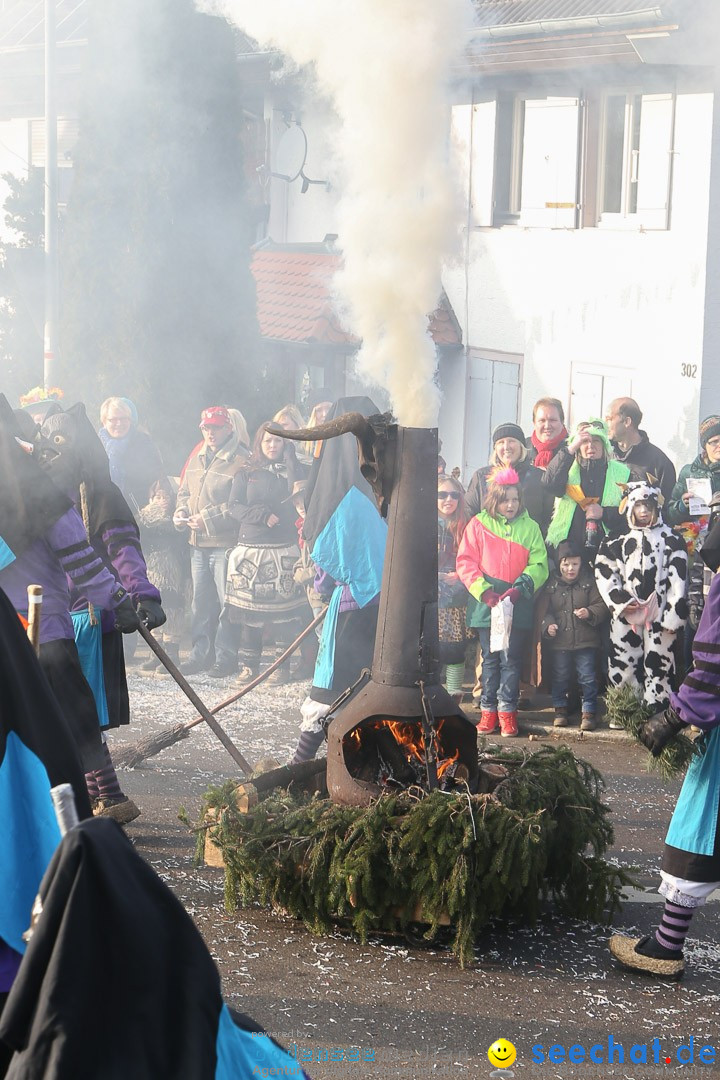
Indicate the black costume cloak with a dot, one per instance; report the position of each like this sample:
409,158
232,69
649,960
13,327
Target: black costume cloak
117,983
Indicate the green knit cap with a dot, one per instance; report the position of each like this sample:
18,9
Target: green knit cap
597,428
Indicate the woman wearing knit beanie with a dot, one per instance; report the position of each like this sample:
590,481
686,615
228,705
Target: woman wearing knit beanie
705,466
509,451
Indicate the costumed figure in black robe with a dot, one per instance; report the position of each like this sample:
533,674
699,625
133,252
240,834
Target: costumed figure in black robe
74,457
37,752
153,1010
48,546
346,536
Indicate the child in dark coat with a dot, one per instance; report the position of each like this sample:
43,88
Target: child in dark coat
575,611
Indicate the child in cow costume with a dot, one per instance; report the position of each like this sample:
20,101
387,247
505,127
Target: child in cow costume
641,575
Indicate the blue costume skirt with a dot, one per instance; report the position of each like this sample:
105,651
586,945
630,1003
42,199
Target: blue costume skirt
692,847
88,638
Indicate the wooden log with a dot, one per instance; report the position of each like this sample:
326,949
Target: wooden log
490,776
212,854
288,774
246,798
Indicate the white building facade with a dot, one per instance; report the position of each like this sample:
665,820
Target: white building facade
584,146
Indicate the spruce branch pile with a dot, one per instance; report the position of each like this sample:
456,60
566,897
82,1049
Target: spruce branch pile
541,834
626,708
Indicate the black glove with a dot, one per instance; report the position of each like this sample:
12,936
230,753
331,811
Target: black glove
126,617
151,614
660,729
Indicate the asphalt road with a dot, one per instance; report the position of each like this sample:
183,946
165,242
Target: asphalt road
414,1010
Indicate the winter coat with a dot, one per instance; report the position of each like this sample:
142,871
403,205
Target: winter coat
562,599
496,554
676,511
532,453
135,464
537,498
646,460
449,595
165,554
598,479
210,487
263,490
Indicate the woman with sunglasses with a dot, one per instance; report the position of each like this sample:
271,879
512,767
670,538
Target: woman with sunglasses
452,594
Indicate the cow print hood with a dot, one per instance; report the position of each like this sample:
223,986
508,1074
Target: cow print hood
641,491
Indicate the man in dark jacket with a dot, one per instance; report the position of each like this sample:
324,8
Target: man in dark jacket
205,511
632,445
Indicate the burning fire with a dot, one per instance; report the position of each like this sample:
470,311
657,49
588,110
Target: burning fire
409,735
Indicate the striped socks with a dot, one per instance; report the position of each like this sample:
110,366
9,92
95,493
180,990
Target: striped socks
92,785
103,783
674,926
308,746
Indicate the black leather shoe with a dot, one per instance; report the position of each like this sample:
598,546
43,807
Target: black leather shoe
222,671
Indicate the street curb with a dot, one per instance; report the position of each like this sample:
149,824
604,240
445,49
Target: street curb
540,730
546,730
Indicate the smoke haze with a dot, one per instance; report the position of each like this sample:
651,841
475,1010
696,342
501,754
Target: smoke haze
384,64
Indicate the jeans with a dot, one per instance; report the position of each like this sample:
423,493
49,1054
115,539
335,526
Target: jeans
501,671
565,663
208,568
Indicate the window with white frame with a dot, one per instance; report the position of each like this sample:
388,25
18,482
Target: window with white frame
538,161
593,388
636,159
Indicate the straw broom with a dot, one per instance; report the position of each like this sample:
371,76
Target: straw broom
132,756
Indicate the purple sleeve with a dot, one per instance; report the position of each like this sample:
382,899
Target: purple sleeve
122,543
324,585
86,572
698,699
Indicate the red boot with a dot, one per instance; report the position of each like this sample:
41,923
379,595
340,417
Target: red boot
508,724
488,721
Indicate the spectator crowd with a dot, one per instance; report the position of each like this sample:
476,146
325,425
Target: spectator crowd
569,560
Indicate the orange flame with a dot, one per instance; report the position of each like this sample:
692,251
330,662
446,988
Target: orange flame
445,764
409,735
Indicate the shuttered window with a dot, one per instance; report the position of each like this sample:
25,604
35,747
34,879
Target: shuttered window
636,159
67,134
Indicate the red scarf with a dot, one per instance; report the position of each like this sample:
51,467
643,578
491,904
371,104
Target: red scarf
545,450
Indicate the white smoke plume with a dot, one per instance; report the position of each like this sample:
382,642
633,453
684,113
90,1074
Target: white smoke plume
385,65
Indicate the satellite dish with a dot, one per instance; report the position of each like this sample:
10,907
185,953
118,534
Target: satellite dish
291,154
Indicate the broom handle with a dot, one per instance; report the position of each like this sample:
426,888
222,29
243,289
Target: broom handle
202,709
35,596
268,670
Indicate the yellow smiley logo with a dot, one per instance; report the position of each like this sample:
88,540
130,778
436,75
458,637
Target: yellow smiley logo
502,1054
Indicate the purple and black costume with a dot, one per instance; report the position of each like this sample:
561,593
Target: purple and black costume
64,555
692,846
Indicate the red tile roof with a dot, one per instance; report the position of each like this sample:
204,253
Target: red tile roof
294,299
507,12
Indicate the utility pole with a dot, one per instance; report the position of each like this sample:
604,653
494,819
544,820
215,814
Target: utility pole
51,211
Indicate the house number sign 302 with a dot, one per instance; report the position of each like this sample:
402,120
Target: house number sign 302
689,370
